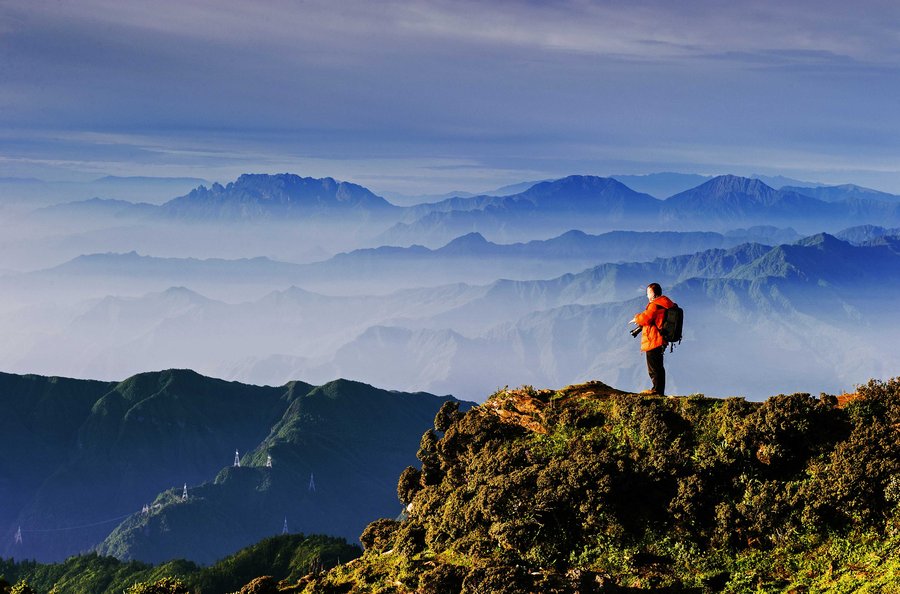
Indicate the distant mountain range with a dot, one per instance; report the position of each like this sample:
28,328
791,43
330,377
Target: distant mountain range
866,233
776,303
412,200
576,193
467,339
269,196
787,315
579,195
843,192
601,204
101,207
82,456
470,258
156,190
250,197
663,185
592,204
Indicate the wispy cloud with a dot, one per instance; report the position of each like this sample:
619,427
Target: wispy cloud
536,85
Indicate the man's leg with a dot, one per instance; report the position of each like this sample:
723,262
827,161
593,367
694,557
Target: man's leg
656,370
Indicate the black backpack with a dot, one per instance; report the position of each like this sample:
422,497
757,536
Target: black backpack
672,322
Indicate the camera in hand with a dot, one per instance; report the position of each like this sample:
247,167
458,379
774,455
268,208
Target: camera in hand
635,331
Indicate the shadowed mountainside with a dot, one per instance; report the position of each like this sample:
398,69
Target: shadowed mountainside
83,456
286,558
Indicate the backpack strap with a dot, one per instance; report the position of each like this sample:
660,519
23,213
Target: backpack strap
658,307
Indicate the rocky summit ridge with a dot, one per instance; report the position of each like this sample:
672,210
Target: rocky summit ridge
591,489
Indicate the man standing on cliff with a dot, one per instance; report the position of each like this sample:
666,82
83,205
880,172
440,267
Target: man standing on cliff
652,342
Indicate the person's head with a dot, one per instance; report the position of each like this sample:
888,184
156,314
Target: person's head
653,291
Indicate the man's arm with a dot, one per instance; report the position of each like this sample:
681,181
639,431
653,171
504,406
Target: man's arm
647,317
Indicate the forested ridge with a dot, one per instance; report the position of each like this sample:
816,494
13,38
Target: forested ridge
286,559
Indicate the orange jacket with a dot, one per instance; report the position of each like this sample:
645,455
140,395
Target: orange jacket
651,319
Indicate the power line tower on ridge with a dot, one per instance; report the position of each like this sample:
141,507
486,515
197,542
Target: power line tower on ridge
284,529
312,483
237,459
19,535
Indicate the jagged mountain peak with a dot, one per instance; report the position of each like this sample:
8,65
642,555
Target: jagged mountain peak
469,238
587,195
465,244
254,195
269,181
285,181
823,241
727,184
578,183
291,295
572,234
180,293
124,256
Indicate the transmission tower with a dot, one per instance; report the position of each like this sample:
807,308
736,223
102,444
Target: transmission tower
312,483
237,459
269,461
284,529
19,535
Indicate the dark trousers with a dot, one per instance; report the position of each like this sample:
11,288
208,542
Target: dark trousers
656,370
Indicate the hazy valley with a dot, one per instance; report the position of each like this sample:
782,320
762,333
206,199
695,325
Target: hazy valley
274,278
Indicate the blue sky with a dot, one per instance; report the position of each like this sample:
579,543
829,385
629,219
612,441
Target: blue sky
433,96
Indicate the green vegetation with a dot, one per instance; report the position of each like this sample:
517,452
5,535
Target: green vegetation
350,438
82,458
589,489
592,490
282,559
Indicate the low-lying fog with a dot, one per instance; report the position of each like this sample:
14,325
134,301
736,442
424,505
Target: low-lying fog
108,294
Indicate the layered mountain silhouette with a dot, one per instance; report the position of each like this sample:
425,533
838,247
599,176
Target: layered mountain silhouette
551,206
470,258
251,197
254,196
866,233
797,312
751,299
83,456
728,198
593,204
107,208
583,194
843,192
601,204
